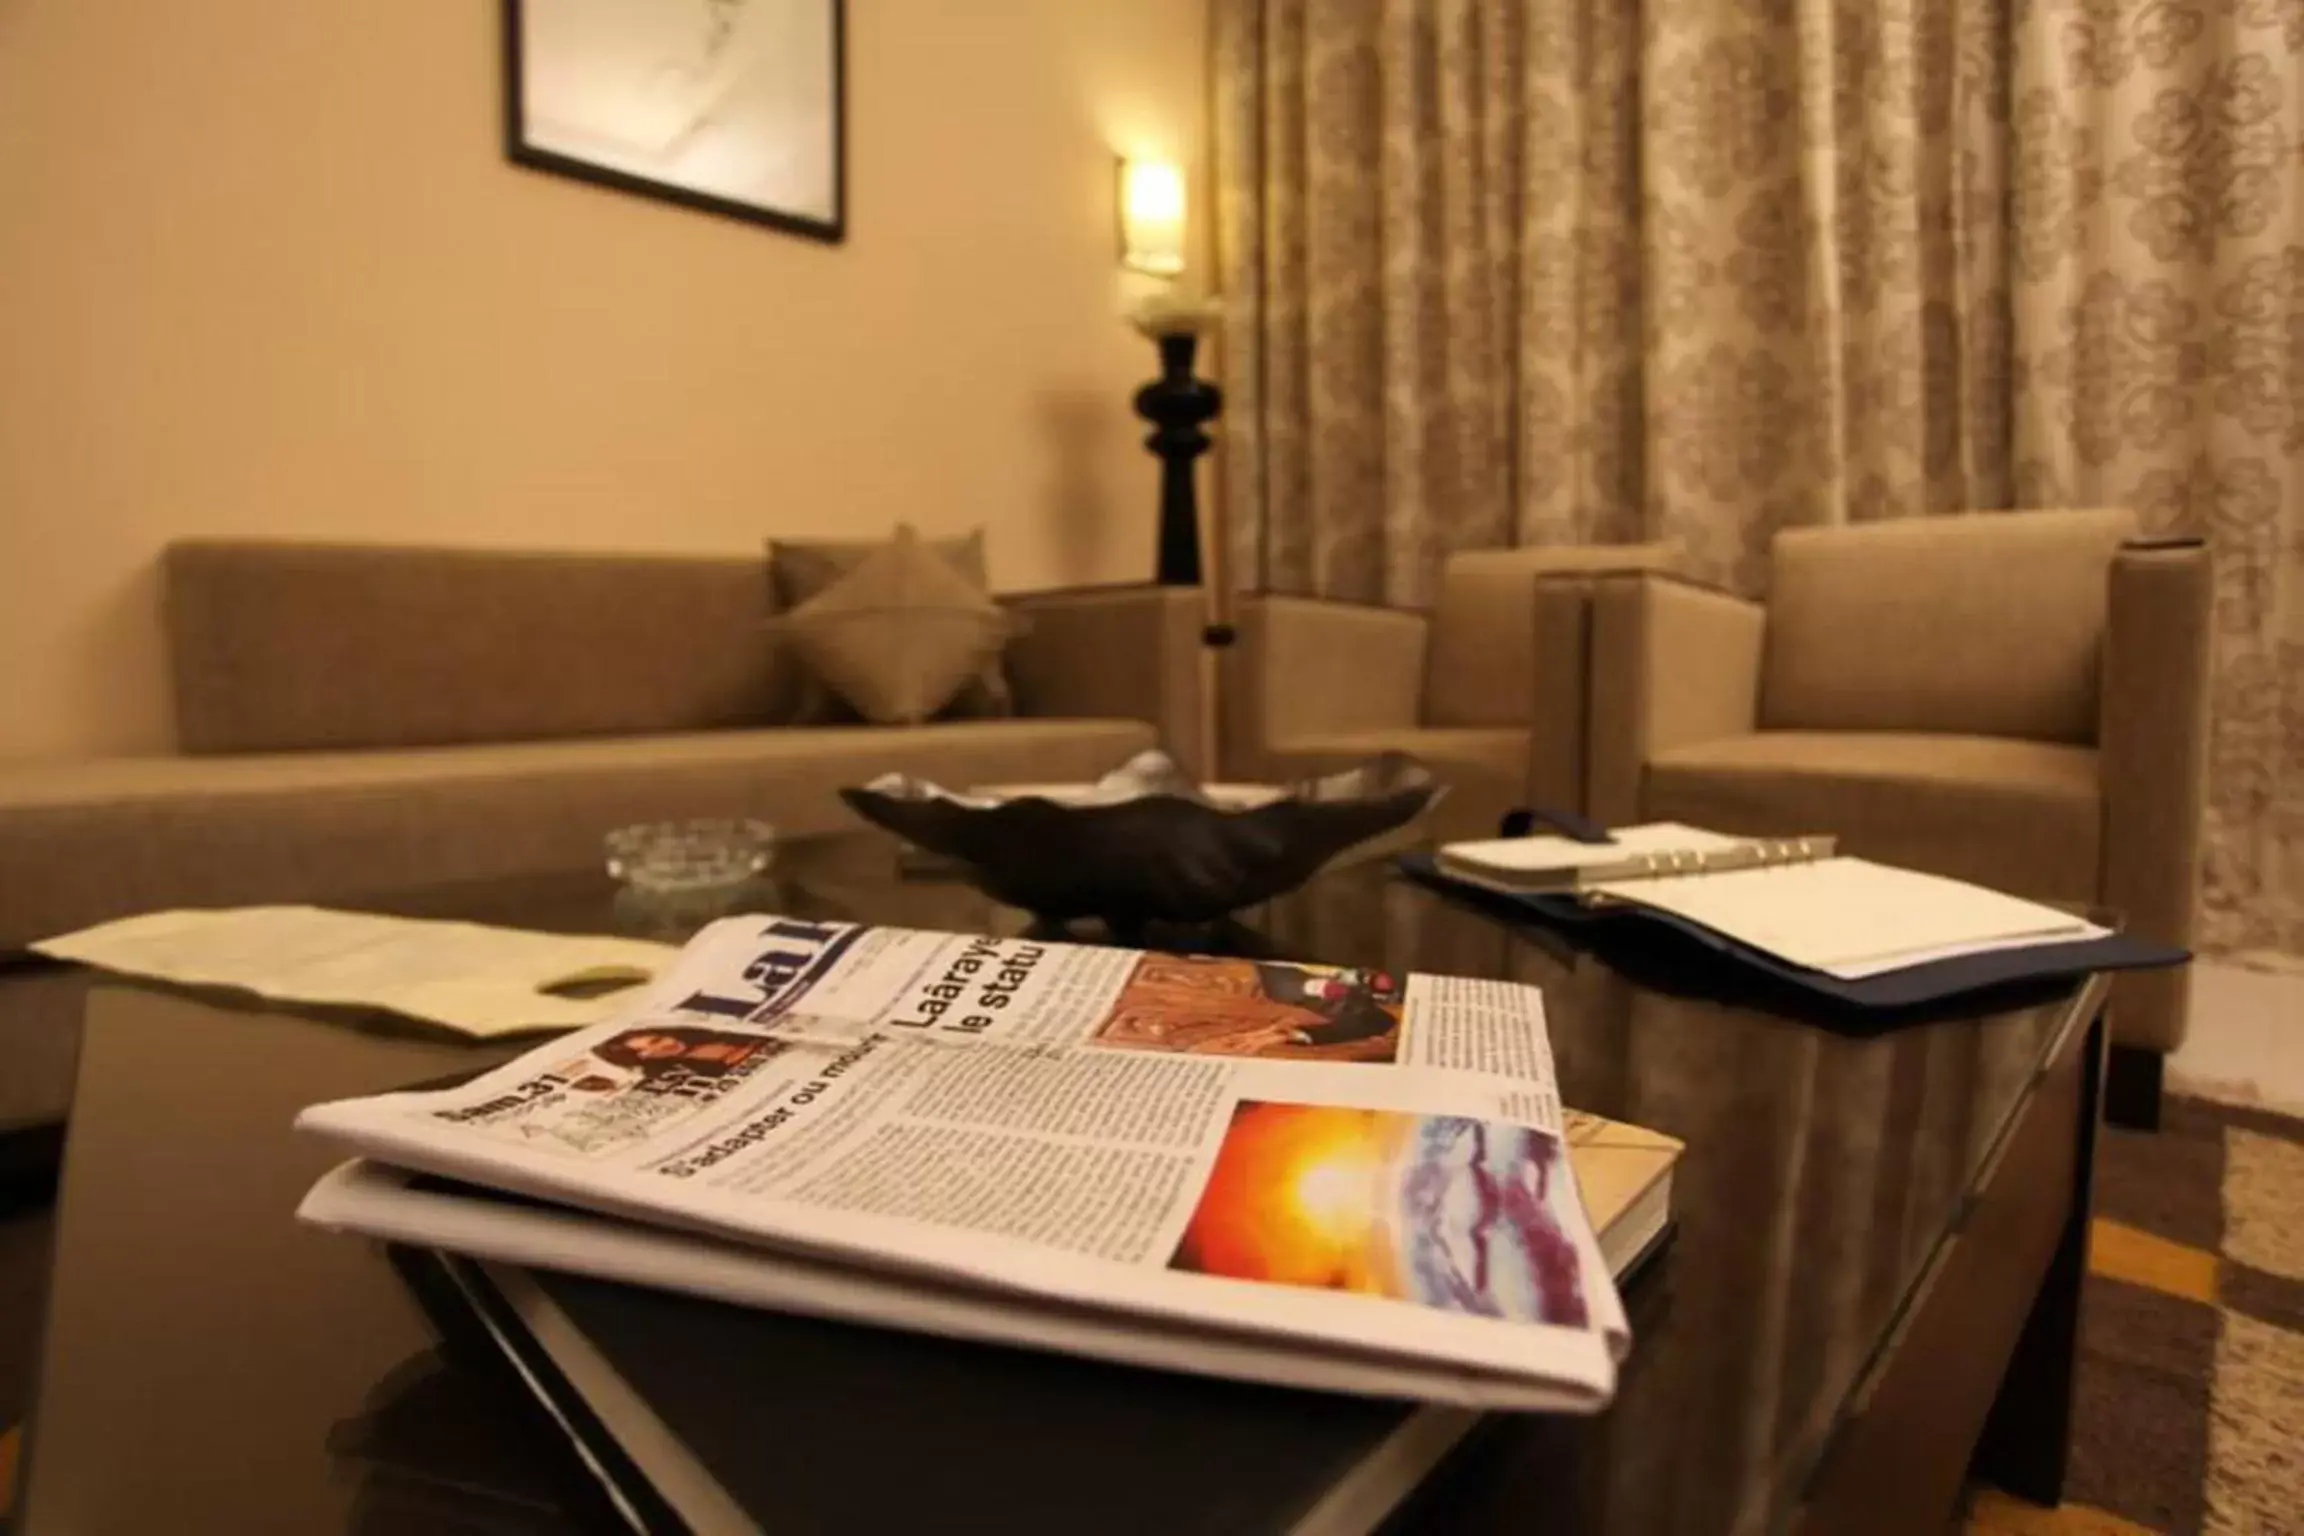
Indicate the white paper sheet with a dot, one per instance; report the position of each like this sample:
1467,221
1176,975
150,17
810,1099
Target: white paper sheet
478,980
1852,918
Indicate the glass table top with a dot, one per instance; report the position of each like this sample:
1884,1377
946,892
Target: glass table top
208,1364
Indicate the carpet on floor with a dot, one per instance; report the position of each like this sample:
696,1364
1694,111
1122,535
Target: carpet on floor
2189,1411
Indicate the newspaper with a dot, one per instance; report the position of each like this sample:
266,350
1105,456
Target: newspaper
1268,1159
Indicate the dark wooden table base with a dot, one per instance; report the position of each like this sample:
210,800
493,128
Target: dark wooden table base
1979,1380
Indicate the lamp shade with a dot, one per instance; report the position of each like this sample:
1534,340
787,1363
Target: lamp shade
1152,216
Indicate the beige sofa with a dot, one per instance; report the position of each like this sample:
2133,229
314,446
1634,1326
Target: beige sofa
360,719
1488,687
2018,700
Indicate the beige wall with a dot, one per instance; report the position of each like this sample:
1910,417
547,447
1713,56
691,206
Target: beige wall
264,271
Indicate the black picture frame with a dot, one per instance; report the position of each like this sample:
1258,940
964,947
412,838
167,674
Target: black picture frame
519,151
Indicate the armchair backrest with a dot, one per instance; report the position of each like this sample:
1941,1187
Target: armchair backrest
1481,663
1986,624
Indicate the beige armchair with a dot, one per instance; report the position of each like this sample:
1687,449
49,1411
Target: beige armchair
2016,699
1488,687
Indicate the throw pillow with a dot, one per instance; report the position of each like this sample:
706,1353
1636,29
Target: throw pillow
900,634
798,569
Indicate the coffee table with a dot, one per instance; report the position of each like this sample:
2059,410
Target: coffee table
1872,1294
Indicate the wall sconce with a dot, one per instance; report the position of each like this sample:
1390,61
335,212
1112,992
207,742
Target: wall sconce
1152,217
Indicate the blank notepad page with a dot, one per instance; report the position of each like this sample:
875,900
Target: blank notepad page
1852,918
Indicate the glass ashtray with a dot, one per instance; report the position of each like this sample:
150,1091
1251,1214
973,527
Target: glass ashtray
694,855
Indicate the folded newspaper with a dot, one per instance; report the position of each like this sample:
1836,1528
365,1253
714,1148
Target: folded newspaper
1279,1172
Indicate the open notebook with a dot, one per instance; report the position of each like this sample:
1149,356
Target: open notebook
1791,898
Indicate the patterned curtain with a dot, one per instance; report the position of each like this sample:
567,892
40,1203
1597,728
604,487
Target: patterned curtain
1542,271
1568,271
2159,300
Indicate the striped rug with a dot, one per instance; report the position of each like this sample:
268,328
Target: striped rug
2190,1411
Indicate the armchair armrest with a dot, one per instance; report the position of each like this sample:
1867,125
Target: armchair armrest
1672,663
1310,667
2154,743
1131,653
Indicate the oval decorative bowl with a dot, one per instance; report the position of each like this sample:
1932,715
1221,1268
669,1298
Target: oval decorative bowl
1144,844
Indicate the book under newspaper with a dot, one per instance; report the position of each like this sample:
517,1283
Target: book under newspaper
1275,1172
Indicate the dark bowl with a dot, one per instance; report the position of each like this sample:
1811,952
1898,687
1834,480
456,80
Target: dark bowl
1166,854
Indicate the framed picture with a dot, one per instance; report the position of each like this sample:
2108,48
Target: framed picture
732,106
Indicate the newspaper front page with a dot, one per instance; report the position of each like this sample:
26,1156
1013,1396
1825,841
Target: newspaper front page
1328,1157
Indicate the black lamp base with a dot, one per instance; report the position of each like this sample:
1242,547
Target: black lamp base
1178,405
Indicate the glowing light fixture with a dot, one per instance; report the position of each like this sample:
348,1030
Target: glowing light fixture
1152,216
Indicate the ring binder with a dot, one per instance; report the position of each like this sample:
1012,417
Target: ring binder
1528,864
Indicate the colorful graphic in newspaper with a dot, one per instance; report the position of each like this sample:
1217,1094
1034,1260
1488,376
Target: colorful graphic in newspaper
1453,1212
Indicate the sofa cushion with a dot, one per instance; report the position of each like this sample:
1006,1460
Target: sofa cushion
1989,624
280,647
82,842
799,569
41,1008
2021,816
1486,771
900,634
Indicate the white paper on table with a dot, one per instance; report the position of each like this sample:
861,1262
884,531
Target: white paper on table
1852,918
478,980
